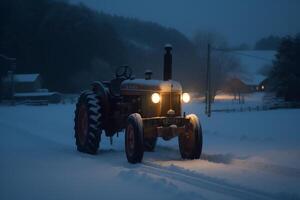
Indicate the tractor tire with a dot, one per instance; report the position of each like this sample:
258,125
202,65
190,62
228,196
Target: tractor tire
190,143
134,147
149,144
88,123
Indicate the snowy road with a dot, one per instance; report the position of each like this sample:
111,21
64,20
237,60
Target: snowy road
250,155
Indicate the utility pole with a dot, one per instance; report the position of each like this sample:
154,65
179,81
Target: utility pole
13,65
208,84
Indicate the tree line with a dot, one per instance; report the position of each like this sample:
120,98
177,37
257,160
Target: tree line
268,43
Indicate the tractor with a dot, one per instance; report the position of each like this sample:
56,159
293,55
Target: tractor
145,108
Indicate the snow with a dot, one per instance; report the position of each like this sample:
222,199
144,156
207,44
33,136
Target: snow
246,155
24,77
35,94
256,101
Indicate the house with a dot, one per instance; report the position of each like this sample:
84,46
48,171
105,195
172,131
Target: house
264,85
26,82
27,87
235,85
252,75
22,83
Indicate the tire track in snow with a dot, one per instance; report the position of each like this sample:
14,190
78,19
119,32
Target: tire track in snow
204,182
270,168
244,163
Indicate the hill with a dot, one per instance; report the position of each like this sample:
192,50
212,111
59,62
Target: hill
72,45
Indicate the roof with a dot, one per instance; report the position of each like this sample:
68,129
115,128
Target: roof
252,63
23,77
26,77
36,94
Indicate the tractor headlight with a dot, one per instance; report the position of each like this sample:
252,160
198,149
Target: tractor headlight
186,97
155,98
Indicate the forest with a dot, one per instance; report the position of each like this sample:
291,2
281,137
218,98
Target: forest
72,45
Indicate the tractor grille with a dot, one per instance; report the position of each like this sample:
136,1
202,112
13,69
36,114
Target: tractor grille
167,104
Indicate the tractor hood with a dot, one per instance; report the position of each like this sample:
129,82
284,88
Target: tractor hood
142,85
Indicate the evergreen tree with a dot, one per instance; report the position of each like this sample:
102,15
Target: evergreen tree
268,43
285,75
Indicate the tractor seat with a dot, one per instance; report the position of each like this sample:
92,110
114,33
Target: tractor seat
115,86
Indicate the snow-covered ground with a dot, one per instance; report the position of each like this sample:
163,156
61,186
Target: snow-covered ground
225,102
246,155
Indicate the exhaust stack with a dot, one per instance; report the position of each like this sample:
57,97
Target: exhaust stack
168,63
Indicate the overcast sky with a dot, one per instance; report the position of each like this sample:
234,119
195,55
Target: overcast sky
238,20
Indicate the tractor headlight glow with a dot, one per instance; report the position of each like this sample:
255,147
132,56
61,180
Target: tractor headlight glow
186,97
155,98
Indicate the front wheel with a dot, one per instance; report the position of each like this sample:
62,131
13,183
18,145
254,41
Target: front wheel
190,142
134,138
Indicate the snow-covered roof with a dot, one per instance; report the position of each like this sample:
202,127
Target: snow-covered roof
26,77
35,94
23,77
252,63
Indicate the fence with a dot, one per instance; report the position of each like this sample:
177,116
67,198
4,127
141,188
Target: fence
282,105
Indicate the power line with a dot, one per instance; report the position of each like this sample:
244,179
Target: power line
243,54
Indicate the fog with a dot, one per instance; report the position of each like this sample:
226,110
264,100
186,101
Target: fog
240,21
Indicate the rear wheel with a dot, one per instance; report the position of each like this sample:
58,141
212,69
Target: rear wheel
190,143
88,123
134,138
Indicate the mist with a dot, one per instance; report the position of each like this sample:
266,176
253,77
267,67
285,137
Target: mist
240,21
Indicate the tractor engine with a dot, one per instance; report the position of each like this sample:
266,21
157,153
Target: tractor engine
153,98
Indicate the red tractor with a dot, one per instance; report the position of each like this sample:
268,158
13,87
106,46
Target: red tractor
145,108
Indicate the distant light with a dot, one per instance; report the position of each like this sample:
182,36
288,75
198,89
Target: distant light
186,97
262,87
155,98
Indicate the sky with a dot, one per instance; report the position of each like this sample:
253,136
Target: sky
240,21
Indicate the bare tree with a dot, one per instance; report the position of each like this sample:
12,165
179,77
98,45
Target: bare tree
222,63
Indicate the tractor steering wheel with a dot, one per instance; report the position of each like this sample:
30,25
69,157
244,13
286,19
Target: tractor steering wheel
124,72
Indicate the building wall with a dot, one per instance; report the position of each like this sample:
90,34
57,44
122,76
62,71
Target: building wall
21,87
235,86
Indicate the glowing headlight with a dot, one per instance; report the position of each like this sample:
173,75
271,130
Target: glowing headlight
155,98
186,97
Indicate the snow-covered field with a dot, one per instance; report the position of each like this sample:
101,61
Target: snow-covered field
246,155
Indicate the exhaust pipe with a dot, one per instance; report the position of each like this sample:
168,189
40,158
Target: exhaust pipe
168,63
